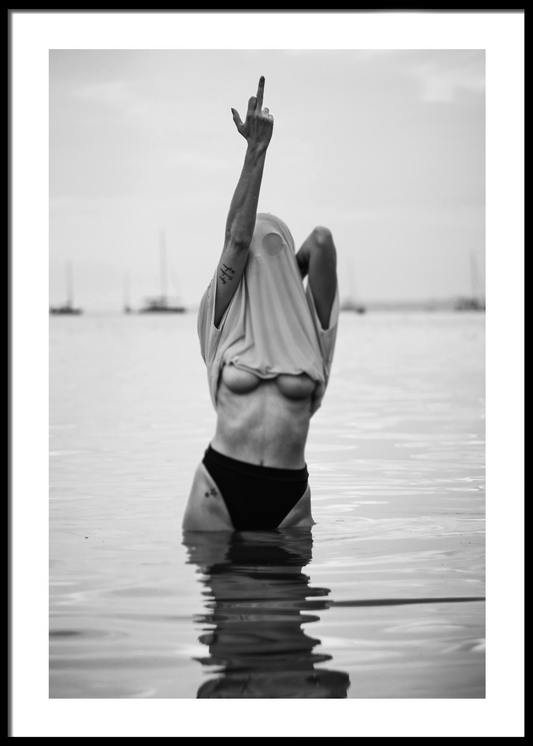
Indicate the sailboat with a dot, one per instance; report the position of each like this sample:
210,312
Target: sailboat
475,302
161,303
350,303
126,307
68,307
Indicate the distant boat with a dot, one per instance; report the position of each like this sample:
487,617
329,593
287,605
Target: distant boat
126,308
162,303
68,308
469,304
476,301
65,309
351,305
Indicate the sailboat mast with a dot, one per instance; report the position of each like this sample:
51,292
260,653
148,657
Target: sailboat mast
474,276
126,291
163,258
70,292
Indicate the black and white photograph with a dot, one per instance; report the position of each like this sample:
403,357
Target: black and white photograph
266,373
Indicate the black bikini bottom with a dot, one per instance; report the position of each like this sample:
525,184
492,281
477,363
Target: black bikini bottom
257,497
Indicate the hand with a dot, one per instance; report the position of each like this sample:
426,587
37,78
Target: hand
259,123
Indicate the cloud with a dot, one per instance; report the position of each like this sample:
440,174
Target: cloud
131,105
159,115
443,76
113,92
201,160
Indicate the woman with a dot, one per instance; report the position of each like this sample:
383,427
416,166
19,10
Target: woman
268,343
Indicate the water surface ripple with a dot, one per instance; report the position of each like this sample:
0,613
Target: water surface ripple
383,598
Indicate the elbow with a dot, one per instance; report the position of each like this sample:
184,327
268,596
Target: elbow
238,243
323,237
242,241
323,243
239,238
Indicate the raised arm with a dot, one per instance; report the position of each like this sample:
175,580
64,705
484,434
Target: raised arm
257,131
317,257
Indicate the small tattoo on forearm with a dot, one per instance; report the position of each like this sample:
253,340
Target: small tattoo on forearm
226,273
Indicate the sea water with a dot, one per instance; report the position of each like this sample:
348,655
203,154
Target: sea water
382,599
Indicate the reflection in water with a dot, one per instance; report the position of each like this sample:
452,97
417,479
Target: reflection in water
257,599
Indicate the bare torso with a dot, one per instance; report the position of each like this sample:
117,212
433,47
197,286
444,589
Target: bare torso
263,421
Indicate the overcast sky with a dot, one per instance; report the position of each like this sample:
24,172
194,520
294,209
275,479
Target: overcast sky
385,147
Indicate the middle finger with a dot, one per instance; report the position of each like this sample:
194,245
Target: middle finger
260,91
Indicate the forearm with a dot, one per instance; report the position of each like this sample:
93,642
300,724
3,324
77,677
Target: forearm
317,258
303,256
243,208
317,255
